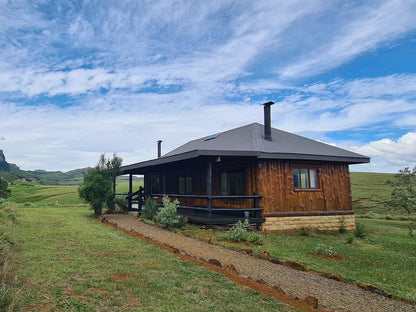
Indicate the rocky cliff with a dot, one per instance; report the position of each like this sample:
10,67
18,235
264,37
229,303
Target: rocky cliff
2,157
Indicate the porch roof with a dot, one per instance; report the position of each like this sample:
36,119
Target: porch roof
249,141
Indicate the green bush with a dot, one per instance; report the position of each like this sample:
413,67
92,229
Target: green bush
238,231
168,216
150,209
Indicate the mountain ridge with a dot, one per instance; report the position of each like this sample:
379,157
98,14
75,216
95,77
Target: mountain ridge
12,173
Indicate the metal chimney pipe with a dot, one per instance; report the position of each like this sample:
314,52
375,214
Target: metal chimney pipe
159,148
267,121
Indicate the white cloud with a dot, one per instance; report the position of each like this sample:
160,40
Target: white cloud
173,70
390,155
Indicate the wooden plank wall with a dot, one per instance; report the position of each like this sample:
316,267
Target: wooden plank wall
273,179
275,182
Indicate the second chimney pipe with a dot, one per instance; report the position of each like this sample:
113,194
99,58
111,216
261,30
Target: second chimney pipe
159,148
267,121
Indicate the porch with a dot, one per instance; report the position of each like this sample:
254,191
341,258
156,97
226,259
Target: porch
208,215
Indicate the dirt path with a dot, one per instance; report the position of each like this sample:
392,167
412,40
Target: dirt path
331,294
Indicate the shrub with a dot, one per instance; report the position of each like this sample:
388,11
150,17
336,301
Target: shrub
359,231
168,216
238,231
150,209
255,238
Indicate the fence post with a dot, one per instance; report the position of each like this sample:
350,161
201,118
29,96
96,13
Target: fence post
130,192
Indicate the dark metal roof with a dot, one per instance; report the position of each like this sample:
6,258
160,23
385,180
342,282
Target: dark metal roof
249,141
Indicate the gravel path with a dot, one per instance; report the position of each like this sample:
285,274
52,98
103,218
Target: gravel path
330,293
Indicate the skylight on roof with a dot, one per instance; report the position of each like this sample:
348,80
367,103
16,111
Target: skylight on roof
211,137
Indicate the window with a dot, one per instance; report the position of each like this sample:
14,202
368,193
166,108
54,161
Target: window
232,183
185,185
305,178
154,180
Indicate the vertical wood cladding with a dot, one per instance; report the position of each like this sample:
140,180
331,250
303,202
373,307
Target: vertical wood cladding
273,179
275,183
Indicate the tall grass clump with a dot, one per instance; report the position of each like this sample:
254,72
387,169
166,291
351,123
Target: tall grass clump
168,216
7,244
360,231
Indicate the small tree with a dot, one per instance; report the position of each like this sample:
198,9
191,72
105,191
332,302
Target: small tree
98,187
4,191
403,196
95,190
168,217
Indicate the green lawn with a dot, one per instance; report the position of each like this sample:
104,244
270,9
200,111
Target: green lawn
69,262
369,192
386,257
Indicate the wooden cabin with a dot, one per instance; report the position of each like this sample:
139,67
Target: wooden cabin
277,180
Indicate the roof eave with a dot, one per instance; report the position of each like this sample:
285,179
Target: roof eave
145,165
289,156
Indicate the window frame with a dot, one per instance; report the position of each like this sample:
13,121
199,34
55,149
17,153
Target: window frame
155,185
185,185
238,178
306,184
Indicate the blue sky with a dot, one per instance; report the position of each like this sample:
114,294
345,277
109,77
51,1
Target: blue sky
80,78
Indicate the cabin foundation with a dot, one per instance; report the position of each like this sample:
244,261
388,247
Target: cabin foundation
320,223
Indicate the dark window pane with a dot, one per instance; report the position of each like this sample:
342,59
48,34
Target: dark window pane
181,185
188,186
232,183
296,179
224,184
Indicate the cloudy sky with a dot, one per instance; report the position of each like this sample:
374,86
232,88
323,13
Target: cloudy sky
80,78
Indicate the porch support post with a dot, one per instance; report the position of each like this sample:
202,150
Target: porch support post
209,187
130,191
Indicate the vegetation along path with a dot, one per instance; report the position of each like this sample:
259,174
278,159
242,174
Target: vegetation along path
330,293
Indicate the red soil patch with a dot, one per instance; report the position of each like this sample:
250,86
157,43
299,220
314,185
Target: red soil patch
121,277
108,252
327,257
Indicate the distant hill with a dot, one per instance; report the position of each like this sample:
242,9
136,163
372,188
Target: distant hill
12,173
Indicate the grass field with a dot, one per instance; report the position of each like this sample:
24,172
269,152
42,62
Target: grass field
369,192
69,262
385,257
59,257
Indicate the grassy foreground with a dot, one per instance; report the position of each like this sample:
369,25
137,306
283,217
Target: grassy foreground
86,274
69,262
385,257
